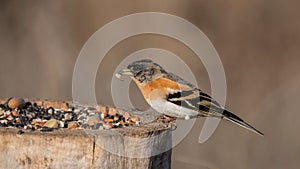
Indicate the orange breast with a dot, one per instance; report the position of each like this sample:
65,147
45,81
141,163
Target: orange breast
157,88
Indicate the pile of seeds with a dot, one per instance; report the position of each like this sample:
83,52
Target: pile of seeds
18,113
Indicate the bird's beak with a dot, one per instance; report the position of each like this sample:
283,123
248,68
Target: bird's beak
124,72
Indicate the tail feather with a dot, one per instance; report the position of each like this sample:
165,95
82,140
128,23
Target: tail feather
235,119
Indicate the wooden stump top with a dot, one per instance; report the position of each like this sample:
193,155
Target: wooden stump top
147,145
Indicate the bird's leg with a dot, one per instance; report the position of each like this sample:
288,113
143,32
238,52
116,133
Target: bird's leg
166,119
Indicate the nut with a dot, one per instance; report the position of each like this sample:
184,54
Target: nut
16,103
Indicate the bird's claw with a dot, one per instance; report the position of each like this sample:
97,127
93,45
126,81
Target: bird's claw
167,119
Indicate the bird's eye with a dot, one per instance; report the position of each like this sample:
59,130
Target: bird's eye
151,72
138,74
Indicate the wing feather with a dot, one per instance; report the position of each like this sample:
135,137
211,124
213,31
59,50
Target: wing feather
193,98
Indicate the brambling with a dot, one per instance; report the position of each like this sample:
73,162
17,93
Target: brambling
171,95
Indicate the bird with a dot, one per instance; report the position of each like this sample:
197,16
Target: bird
175,97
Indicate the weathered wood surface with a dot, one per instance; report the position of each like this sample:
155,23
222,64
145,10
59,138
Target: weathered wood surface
144,146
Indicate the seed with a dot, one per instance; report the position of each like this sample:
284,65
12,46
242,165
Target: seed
93,120
38,123
9,118
73,125
126,116
103,115
81,117
4,121
38,120
53,123
134,120
108,120
108,126
76,111
116,118
121,123
68,116
112,112
27,105
18,120
16,103
15,113
50,110
65,106
61,124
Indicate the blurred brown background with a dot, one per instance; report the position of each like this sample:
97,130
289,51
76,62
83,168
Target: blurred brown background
258,43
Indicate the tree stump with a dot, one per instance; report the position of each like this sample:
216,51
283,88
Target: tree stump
145,146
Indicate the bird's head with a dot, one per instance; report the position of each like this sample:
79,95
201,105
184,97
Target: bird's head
143,71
